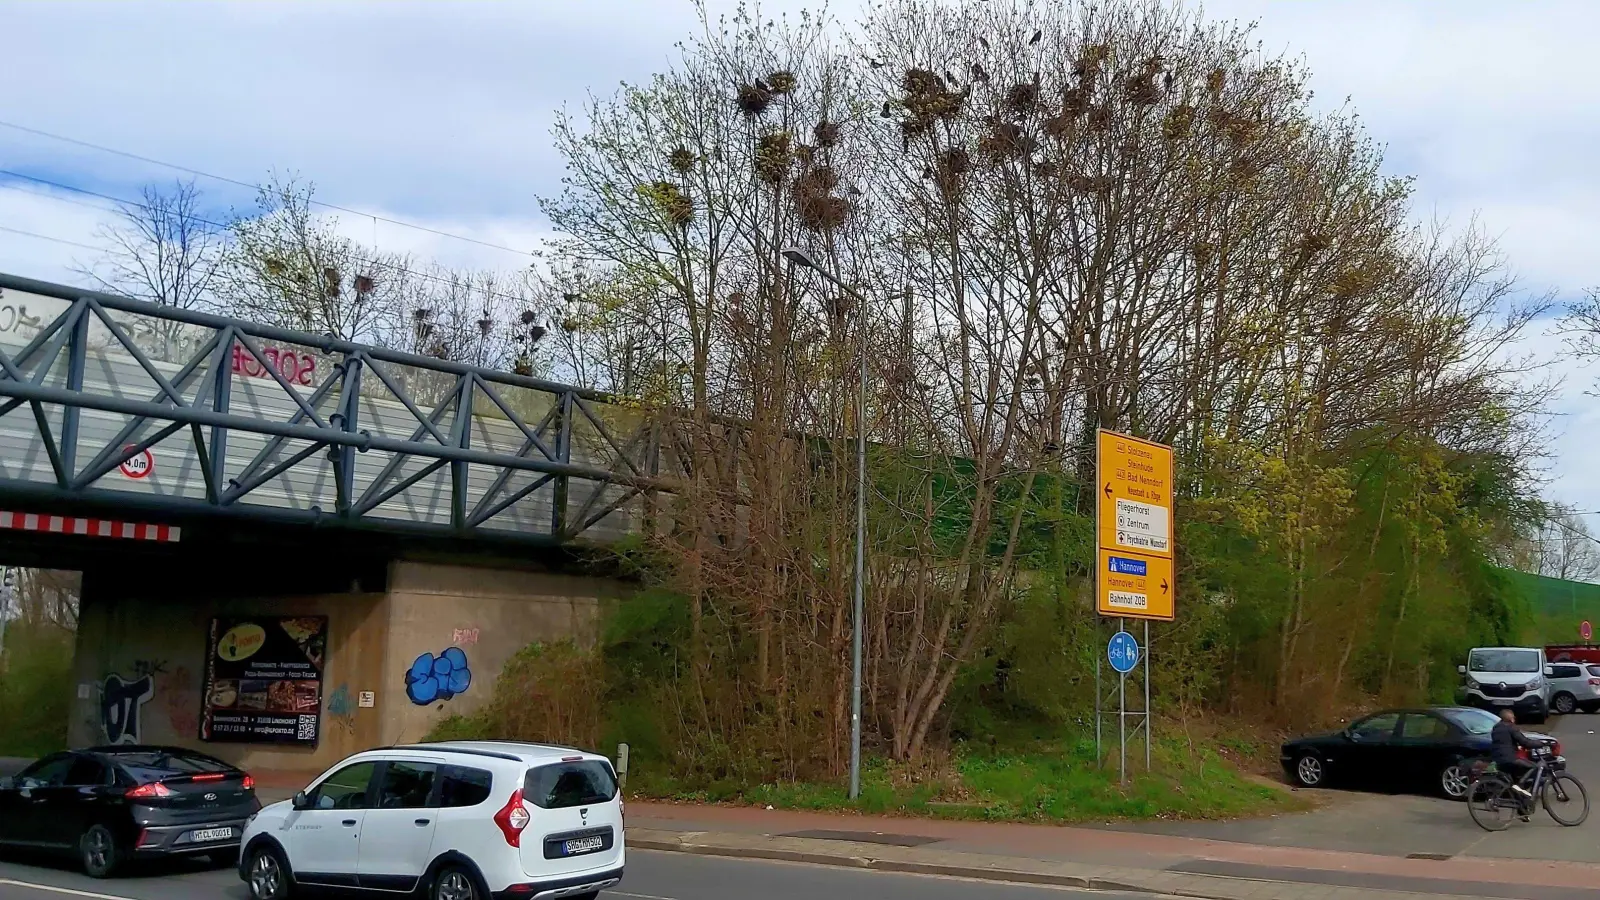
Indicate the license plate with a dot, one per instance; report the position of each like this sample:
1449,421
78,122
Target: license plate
1504,702
583,845
210,834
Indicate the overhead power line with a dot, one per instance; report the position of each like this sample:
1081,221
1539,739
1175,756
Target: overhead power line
426,276
245,184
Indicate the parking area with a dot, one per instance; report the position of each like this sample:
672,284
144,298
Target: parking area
1410,825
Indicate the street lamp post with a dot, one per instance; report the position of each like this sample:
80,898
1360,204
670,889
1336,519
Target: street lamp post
800,257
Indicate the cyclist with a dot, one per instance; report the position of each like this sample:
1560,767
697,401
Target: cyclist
1506,737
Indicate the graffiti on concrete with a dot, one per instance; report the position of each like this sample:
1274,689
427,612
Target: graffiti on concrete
180,698
464,636
341,709
439,677
121,703
143,667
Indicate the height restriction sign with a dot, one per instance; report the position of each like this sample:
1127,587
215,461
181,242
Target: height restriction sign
1133,498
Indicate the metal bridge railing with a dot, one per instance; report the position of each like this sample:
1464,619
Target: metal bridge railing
139,405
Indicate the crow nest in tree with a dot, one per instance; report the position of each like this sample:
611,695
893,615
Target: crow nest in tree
782,81
681,160
1100,117
1216,80
927,100
1178,122
1141,87
1075,101
671,200
753,99
950,170
826,133
774,156
1090,63
815,205
1090,184
1022,99
1007,140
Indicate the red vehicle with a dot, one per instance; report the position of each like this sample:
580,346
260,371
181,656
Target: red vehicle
1578,653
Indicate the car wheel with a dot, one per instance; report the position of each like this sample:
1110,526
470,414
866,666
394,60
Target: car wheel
1454,781
454,884
269,876
1564,704
1310,771
99,852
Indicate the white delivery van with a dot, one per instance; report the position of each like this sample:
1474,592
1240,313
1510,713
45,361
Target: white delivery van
1515,678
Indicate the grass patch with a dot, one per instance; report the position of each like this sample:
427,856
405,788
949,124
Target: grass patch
1050,781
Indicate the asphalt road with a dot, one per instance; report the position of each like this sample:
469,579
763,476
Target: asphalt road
651,876
1408,825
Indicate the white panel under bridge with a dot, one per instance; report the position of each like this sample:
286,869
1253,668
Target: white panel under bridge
117,402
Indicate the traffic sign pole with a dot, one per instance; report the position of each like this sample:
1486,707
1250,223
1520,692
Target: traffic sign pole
1135,571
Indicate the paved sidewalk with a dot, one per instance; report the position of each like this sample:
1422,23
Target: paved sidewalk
1087,857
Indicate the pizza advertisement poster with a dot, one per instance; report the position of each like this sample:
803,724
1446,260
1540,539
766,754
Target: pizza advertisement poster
263,681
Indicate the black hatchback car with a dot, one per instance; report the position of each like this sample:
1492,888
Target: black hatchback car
107,805
1398,749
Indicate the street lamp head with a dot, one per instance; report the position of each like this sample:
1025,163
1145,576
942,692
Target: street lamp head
800,258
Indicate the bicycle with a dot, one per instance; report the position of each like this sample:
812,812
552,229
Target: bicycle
1493,803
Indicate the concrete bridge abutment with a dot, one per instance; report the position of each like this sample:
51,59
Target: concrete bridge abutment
284,672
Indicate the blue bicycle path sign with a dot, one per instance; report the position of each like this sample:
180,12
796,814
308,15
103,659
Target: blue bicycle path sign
1123,651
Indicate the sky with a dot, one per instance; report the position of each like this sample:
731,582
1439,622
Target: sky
438,114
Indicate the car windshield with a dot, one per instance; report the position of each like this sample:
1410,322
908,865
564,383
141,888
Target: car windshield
1504,661
1472,721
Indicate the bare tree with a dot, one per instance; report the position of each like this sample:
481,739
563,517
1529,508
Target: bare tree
1564,547
162,249
288,266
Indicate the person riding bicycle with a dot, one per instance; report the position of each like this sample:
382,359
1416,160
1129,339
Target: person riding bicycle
1505,738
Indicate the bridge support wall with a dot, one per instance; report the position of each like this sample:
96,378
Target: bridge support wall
144,646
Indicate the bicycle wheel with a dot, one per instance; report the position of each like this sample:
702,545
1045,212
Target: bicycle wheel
1491,804
1565,799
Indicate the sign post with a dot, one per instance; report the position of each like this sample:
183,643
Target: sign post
1134,573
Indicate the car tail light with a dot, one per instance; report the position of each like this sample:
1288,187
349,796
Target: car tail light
152,791
512,818
209,776
249,783
144,835
1555,748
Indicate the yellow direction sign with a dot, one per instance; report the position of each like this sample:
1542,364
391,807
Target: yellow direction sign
1135,586
1134,575
1134,495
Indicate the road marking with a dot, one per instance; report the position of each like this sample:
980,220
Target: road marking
60,890
637,896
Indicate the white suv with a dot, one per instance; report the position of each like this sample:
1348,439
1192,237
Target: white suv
481,820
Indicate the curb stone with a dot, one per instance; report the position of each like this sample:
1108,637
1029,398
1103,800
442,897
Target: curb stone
1157,883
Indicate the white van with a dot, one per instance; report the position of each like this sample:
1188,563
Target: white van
1516,678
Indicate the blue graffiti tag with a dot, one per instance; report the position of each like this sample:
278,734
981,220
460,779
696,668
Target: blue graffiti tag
439,677
120,702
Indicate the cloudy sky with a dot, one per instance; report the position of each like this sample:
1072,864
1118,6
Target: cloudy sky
439,114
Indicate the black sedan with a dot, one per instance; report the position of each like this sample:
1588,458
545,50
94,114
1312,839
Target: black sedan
107,805
1397,749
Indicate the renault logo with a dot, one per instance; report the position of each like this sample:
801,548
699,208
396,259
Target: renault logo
1502,685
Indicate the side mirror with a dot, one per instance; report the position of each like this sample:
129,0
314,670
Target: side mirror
1461,670
301,802
1549,671
7,784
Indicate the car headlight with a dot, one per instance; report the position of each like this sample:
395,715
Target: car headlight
1532,685
1472,685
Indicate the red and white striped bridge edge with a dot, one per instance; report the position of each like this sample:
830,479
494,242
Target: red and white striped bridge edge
134,531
